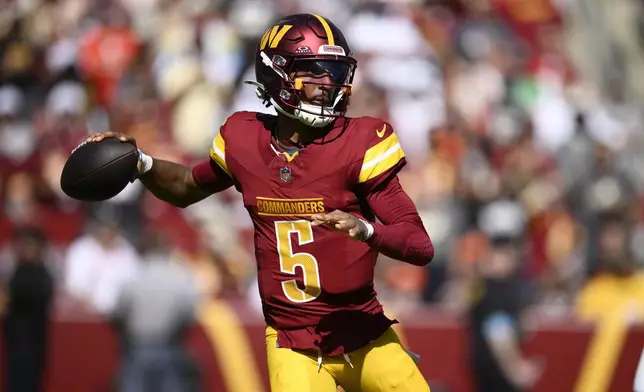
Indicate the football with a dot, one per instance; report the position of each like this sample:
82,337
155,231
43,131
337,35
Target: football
99,171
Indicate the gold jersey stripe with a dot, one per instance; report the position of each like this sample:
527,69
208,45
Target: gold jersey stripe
231,346
327,29
376,151
218,152
380,158
385,164
287,214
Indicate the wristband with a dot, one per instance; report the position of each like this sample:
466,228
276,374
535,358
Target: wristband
146,162
370,229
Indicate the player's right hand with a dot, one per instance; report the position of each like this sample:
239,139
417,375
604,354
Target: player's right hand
528,372
97,137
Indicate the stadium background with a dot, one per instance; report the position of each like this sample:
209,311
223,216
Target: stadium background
520,118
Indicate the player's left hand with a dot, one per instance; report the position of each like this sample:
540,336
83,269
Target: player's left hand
343,222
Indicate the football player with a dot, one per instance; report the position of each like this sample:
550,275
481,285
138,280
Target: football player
313,182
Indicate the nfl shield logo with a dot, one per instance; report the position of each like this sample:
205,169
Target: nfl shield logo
285,174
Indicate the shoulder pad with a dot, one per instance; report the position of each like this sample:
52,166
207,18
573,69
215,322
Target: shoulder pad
218,147
236,119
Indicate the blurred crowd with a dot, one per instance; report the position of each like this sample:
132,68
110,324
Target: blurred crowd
521,121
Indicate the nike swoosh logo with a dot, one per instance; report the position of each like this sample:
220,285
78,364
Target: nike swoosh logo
381,132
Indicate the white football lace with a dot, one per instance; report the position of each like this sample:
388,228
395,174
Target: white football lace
79,146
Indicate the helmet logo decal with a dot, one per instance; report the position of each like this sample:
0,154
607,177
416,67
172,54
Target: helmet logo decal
303,50
273,36
331,49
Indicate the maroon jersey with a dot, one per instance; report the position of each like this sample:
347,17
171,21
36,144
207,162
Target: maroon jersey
316,285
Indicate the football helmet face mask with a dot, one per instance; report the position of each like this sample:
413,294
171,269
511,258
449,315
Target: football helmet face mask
304,67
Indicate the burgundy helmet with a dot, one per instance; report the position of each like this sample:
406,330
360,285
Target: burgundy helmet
308,43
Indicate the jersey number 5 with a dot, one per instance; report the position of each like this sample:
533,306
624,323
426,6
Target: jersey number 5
289,260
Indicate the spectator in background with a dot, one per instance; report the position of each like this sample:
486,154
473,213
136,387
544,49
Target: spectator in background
617,289
30,292
99,263
499,365
106,52
152,314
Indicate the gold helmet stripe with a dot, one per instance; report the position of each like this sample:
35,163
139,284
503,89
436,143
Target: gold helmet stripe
327,29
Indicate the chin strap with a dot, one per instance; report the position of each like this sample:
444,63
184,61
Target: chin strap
267,101
304,110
